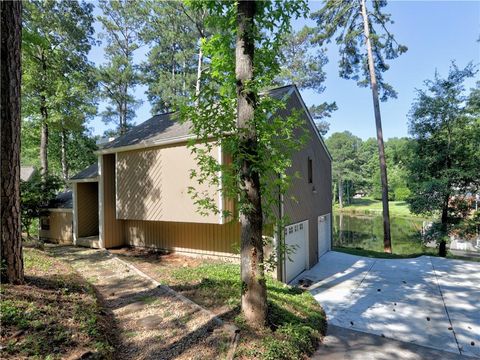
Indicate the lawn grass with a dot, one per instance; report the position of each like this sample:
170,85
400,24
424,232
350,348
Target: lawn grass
375,254
369,206
382,255
54,315
296,320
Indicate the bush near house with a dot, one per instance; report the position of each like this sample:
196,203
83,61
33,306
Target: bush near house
296,321
35,194
54,315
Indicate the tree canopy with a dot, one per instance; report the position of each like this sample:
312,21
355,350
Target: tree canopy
118,77
57,83
444,121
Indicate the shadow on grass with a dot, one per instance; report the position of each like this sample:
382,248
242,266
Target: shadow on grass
375,254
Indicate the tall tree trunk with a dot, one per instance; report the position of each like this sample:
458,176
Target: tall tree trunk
44,125
44,144
254,293
387,243
442,247
340,194
199,72
11,243
184,82
123,111
63,150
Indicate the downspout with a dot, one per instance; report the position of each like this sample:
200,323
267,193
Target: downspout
101,208
75,213
332,218
280,240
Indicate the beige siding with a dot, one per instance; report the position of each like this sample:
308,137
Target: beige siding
112,228
206,239
87,209
61,225
153,185
310,200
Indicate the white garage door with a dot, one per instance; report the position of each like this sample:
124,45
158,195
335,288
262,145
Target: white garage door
324,234
296,239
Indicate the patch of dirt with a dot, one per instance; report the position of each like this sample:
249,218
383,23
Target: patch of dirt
161,265
157,257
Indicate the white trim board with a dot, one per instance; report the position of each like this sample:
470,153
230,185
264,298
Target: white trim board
146,144
95,179
75,213
101,235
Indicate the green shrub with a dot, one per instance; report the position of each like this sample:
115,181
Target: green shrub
10,313
402,193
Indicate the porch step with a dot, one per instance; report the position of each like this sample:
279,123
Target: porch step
90,242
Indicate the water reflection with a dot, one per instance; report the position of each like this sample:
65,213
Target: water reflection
366,232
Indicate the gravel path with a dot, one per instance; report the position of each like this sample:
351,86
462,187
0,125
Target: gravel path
153,321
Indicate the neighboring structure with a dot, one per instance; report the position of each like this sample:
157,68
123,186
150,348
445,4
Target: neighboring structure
56,221
26,172
137,195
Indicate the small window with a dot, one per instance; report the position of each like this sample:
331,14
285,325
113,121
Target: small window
310,171
45,223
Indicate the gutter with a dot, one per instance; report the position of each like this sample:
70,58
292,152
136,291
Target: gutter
145,144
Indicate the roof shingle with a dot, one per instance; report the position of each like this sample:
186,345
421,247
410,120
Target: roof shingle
166,127
90,172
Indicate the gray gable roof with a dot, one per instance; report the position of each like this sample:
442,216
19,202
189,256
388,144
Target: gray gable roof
157,128
166,127
90,172
63,200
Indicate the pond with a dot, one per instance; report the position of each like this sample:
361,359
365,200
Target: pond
366,232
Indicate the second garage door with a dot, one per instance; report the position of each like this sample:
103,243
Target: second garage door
296,236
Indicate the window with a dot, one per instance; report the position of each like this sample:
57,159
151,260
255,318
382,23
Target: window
45,223
310,171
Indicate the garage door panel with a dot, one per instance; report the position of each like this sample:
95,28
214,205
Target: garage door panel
296,240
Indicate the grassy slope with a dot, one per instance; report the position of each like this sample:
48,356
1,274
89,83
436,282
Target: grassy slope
289,311
381,255
54,315
374,207
297,321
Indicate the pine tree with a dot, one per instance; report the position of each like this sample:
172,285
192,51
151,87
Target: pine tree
10,73
302,64
365,44
118,78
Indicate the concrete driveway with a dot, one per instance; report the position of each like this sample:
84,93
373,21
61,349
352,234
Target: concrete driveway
427,301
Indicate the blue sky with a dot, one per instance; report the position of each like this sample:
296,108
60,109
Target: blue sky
436,32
